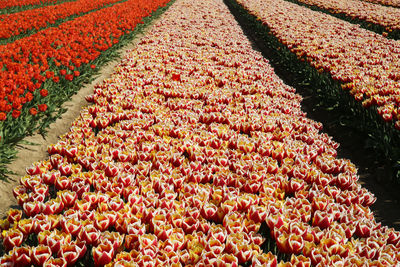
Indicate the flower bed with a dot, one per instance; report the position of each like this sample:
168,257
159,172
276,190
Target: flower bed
41,71
13,3
382,19
19,23
366,63
393,3
342,60
7,7
194,152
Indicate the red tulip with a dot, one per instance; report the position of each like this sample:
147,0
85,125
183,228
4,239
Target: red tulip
101,222
55,240
215,246
53,206
69,252
32,208
40,254
19,190
257,213
71,226
103,254
322,219
114,238
65,169
67,197
209,211
33,170
55,262
89,234
30,182
189,225
21,256
42,223
14,215
6,260
227,260
268,259
63,183
363,228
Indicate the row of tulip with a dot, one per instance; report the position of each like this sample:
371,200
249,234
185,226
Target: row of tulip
28,63
387,17
8,7
365,63
21,22
383,138
189,148
393,3
39,72
15,3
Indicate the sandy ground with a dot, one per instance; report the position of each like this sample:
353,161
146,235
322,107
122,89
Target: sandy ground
30,154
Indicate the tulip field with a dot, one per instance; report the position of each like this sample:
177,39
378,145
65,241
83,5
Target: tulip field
393,3
15,24
42,68
354,67
20,3
194,152
384,19
366,63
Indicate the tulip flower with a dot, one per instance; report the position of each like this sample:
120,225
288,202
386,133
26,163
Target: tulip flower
41,254
22,256
322,219
55,262
89,234
67,197
103,254
101,222
14,215
187,158
72,226
6,260
12,238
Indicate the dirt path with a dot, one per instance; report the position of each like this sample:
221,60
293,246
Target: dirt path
28,154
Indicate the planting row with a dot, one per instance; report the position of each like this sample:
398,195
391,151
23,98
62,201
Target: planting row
16,5
195,153
383,137
386,17
19,23
366,63
393,3
39,72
